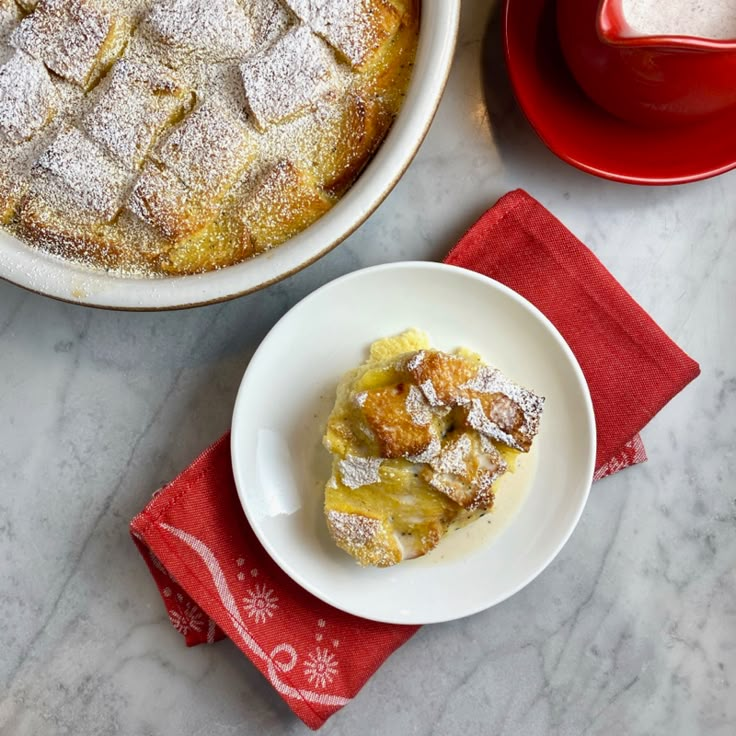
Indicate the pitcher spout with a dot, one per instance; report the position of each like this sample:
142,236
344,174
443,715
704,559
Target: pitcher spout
615,29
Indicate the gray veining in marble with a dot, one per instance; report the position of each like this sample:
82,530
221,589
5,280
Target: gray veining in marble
632,630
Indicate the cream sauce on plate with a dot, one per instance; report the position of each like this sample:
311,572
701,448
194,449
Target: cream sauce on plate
511,490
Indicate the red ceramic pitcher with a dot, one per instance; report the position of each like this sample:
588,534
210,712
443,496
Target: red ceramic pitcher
649,80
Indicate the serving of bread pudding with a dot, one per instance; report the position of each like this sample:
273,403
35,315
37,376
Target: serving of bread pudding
419,438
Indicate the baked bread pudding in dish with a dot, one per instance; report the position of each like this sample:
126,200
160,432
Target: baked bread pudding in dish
419,438
182,136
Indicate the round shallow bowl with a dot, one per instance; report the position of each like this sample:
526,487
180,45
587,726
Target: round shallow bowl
288,391
587,136
65,280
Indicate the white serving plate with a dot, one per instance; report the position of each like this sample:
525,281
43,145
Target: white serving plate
65,280
288,391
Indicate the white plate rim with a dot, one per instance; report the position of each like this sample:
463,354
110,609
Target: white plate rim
588,472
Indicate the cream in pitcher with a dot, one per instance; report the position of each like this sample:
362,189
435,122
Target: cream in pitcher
701,18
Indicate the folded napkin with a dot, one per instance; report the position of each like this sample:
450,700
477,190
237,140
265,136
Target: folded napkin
633,369
215,578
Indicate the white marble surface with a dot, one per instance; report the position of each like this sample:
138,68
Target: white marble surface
631,630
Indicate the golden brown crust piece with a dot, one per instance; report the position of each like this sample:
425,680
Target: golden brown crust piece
161,200
465,469
284,201
349,144
135,104
78,177
281,203
208,150
96,245
501,409
387,412
288,78
186,30
26,107
504,413
221,243
370,540
441,376
193,170
489,403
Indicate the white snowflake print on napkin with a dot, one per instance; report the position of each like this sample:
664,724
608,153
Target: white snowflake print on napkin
260,603
186,617
320,667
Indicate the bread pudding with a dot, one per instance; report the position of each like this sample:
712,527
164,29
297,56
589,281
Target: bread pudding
181,136
419,438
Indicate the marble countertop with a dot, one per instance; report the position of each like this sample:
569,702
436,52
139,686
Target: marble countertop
631,630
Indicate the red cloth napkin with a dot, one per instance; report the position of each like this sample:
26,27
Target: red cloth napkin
215,578
633,369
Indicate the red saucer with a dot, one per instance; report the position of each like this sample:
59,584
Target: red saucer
585,135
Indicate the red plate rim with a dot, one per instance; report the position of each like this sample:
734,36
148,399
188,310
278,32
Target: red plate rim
523,30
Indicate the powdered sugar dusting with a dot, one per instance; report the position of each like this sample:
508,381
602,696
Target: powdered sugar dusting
289,77
27,97
80,169
486,445
478,420
349,25
453,476
360,471
429,392
123,124
353,528
67,35
9,16
417,407
138,101
218,30
209,147
453,458
268,20
416,360
161,200
491,381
